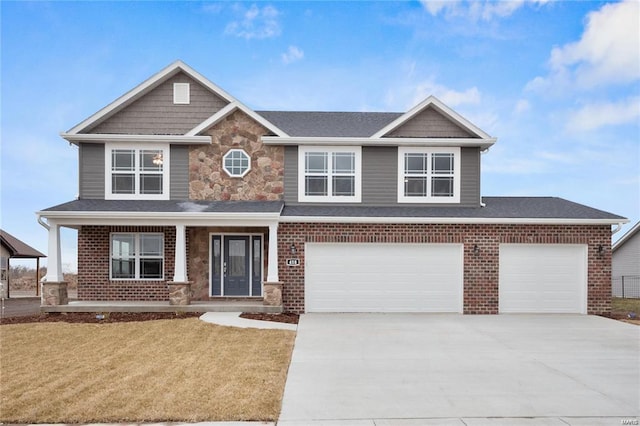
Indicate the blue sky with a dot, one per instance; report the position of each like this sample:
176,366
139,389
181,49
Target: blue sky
557,82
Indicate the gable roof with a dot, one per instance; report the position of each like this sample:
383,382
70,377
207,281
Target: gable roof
432,102
153,82
17,248
626,237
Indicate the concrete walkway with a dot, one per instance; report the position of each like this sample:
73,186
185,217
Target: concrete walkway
425,369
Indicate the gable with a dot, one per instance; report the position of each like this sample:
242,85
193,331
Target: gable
430,123
154,113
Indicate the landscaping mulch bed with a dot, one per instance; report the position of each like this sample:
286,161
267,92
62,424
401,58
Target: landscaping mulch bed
111,317
289,318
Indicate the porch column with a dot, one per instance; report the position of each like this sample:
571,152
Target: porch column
180,288
272,269
180,266
54,263
54,288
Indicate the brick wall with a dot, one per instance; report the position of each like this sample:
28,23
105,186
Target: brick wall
481,270
93,266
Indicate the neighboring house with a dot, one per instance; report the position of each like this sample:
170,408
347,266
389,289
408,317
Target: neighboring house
625,264
13,248
183,186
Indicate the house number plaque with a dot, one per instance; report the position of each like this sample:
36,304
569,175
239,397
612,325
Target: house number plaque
293,262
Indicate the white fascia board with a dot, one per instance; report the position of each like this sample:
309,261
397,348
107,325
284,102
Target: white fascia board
151,82
626,236
227,110
447,220
347,141
102,138
160,219
432,100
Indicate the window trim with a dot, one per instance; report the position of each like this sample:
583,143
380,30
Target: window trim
137,256
108,158
224,166
356,198
455,199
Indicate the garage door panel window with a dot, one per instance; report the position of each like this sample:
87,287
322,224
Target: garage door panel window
428,175
329,174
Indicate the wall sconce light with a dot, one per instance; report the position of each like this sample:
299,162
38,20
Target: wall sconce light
600,250
292,248
476,249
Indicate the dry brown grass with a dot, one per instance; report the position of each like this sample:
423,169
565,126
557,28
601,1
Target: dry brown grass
169,370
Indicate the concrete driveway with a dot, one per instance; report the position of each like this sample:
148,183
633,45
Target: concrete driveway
418,369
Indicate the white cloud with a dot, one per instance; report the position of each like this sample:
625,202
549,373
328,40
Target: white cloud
449,96
593,116
255,23
522,105
477,10
292,54
608,53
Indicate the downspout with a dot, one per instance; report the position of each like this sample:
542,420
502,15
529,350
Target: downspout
43,223
484,151
617,228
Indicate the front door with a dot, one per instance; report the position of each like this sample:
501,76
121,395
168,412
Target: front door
236,262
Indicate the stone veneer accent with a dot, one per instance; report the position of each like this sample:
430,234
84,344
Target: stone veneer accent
54,293
179,293
481,271
93,266
208,180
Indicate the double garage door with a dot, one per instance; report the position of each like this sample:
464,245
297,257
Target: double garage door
349,277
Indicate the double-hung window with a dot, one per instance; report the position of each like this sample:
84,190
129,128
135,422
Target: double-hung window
329,174
428,175
137,256
136,173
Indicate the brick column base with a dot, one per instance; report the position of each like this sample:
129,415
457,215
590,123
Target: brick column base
54,293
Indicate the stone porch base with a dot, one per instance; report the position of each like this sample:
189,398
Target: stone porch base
139,306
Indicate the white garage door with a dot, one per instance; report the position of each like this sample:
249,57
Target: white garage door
383,277
544,278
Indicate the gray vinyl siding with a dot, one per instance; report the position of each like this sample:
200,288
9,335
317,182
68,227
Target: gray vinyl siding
625,259
155,113
291,174
470,177
380,177
179,172
430,124
91,170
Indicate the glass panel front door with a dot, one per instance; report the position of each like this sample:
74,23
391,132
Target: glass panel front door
236,265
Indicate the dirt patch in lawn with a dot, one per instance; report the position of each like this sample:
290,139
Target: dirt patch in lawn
97,318
131,372
288,318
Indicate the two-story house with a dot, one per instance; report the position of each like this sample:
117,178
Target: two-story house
184,190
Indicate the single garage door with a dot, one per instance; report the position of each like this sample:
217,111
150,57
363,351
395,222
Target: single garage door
383,277
543,278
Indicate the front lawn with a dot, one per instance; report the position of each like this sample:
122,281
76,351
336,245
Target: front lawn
618,304
156,371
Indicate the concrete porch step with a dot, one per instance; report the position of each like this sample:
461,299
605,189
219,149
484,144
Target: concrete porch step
140,306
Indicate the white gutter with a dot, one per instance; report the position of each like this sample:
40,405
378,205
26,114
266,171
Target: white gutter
42,222
367,141
447,220
102,137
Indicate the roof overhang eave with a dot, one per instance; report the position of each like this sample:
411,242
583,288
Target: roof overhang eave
77,218
367,141
451,220
75,138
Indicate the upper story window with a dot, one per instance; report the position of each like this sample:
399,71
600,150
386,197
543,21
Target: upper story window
329,174
428,175
181,93
136,173
236,163
137,256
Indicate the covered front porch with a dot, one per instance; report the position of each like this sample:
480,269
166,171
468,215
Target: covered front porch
172,256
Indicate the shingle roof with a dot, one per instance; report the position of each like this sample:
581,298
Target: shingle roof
17,248
168,206
495,208
329,124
